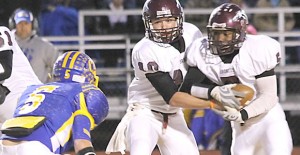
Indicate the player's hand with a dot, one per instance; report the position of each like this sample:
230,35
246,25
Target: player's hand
224,95
230,114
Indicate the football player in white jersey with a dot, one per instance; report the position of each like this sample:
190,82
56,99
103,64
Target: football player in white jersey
154,116
15,73
229,55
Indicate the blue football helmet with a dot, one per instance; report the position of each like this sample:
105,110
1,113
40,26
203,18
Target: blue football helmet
74,66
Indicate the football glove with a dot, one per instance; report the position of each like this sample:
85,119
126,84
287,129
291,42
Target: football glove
230,114
226,96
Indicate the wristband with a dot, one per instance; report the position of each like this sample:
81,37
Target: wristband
86,151
209,92
244,114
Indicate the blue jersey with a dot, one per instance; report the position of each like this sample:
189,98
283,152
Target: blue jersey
206,126
71,111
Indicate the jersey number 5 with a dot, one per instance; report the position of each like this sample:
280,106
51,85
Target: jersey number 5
36,98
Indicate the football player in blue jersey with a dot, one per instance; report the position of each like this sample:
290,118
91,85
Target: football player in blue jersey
53,117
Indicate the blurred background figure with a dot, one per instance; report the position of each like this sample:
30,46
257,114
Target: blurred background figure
199,20
268,22
57,18
206,126
244,4
118,23
40,53
296,57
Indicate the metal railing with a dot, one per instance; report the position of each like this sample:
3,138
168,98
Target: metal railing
126,43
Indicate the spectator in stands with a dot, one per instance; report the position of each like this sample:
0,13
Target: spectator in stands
268,22
241,3
244,5
296,3
40,53
251,3
206,126
89,21
118,23
199,20
58,19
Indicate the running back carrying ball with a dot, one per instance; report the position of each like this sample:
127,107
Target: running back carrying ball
231,95
245,92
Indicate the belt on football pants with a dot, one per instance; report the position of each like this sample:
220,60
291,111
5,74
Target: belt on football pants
165,117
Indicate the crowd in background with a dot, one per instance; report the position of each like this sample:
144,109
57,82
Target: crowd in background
65,15
60,18
66,12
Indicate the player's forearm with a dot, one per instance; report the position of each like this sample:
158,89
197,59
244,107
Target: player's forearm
266,96
184,100
80,144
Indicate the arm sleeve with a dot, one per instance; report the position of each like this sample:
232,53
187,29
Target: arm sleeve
6,59
266,97
92,110
81,127
163,83
83,121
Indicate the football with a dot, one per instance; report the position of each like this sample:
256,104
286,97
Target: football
246,93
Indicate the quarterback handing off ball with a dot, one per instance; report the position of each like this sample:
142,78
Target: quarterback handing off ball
246,93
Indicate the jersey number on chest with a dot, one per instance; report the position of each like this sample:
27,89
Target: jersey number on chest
153,66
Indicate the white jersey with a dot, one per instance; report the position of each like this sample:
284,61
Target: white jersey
22,74
150,57
258,54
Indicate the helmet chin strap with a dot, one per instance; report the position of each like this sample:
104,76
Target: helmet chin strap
96,81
